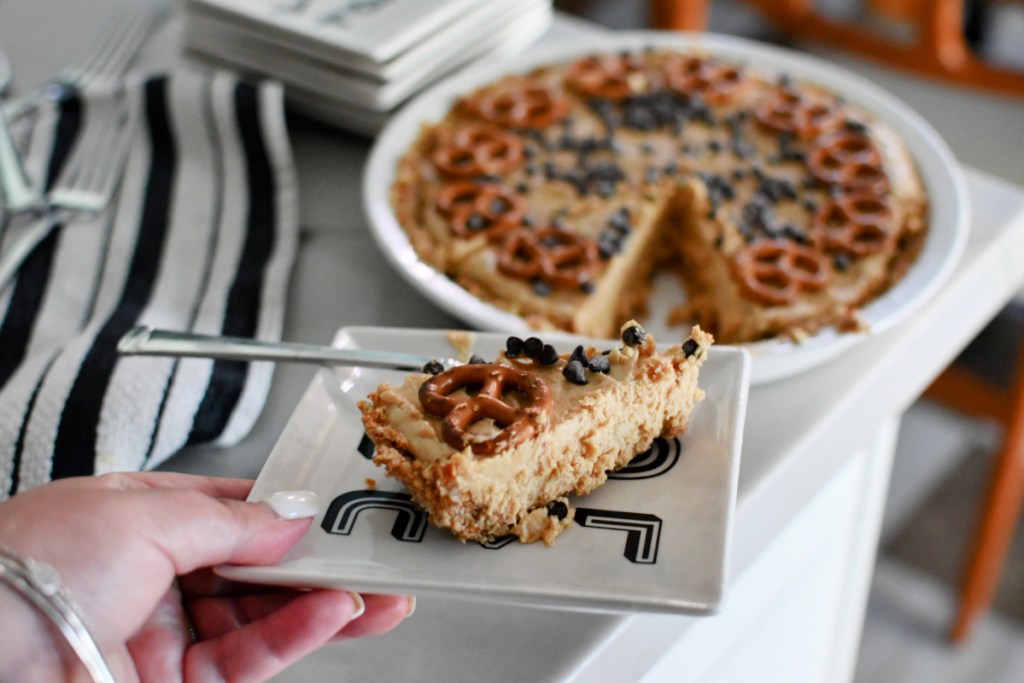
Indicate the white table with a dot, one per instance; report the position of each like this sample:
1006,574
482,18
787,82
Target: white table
817,456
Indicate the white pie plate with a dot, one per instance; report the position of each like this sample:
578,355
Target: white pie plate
656,538
772,359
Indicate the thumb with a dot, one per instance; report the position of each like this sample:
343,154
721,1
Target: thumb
204,531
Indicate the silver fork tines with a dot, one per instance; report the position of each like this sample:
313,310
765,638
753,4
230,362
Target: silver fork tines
88,181
115,51
89,178
107,60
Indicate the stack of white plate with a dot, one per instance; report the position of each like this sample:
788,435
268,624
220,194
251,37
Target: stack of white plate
354,62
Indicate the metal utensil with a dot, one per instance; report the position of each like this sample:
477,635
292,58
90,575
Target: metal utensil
18,193
105,62
146,341
86,184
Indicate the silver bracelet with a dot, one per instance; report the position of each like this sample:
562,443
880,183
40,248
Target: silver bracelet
40,584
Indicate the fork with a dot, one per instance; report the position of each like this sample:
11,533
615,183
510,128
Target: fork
146,341
105,63
18,193
86,184
88,180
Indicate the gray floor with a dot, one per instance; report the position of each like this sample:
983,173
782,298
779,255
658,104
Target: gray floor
909,613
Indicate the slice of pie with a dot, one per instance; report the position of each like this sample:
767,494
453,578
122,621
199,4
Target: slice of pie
492,449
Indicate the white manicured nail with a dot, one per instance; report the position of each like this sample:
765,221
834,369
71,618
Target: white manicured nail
412,606
360,605
294,504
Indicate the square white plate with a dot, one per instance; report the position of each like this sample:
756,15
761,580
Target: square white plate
472,27
655,538
371,31
246,49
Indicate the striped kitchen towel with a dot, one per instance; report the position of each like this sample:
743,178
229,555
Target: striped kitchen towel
201,236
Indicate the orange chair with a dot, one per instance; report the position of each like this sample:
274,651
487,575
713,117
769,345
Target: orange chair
940,50
970,392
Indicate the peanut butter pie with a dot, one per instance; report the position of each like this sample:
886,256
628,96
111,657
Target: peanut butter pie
557,194
492,449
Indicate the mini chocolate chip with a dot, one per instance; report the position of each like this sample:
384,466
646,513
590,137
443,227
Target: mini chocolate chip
486,179
609,243
690,347
477,360
605,188
841,262
671,168
573,371
548,355
533,346
715,146
476,221
514,347
651,174
579,354
600,364
647,148
810,206
634,335
523,188
855,125
433,368
558,509
619,221
587,287
541,288
528,221
795,234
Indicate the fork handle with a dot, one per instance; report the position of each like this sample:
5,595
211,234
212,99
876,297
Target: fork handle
18,192
146,341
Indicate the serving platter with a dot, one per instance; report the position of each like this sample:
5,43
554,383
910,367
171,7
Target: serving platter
655,537
772,359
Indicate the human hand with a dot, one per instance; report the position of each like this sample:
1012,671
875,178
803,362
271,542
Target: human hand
120,541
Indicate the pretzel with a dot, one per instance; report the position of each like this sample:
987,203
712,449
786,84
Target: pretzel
856,224
479,150
775,272
788,111
850,161
498,208
714,83
561,259
525,106
608,77
485,388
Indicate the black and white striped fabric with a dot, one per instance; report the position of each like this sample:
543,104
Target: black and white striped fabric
202,236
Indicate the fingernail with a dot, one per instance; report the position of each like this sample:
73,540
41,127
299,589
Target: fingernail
412,606
294,504
360,605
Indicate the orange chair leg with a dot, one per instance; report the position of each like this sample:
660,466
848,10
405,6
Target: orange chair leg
963,391
999,519
680,15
